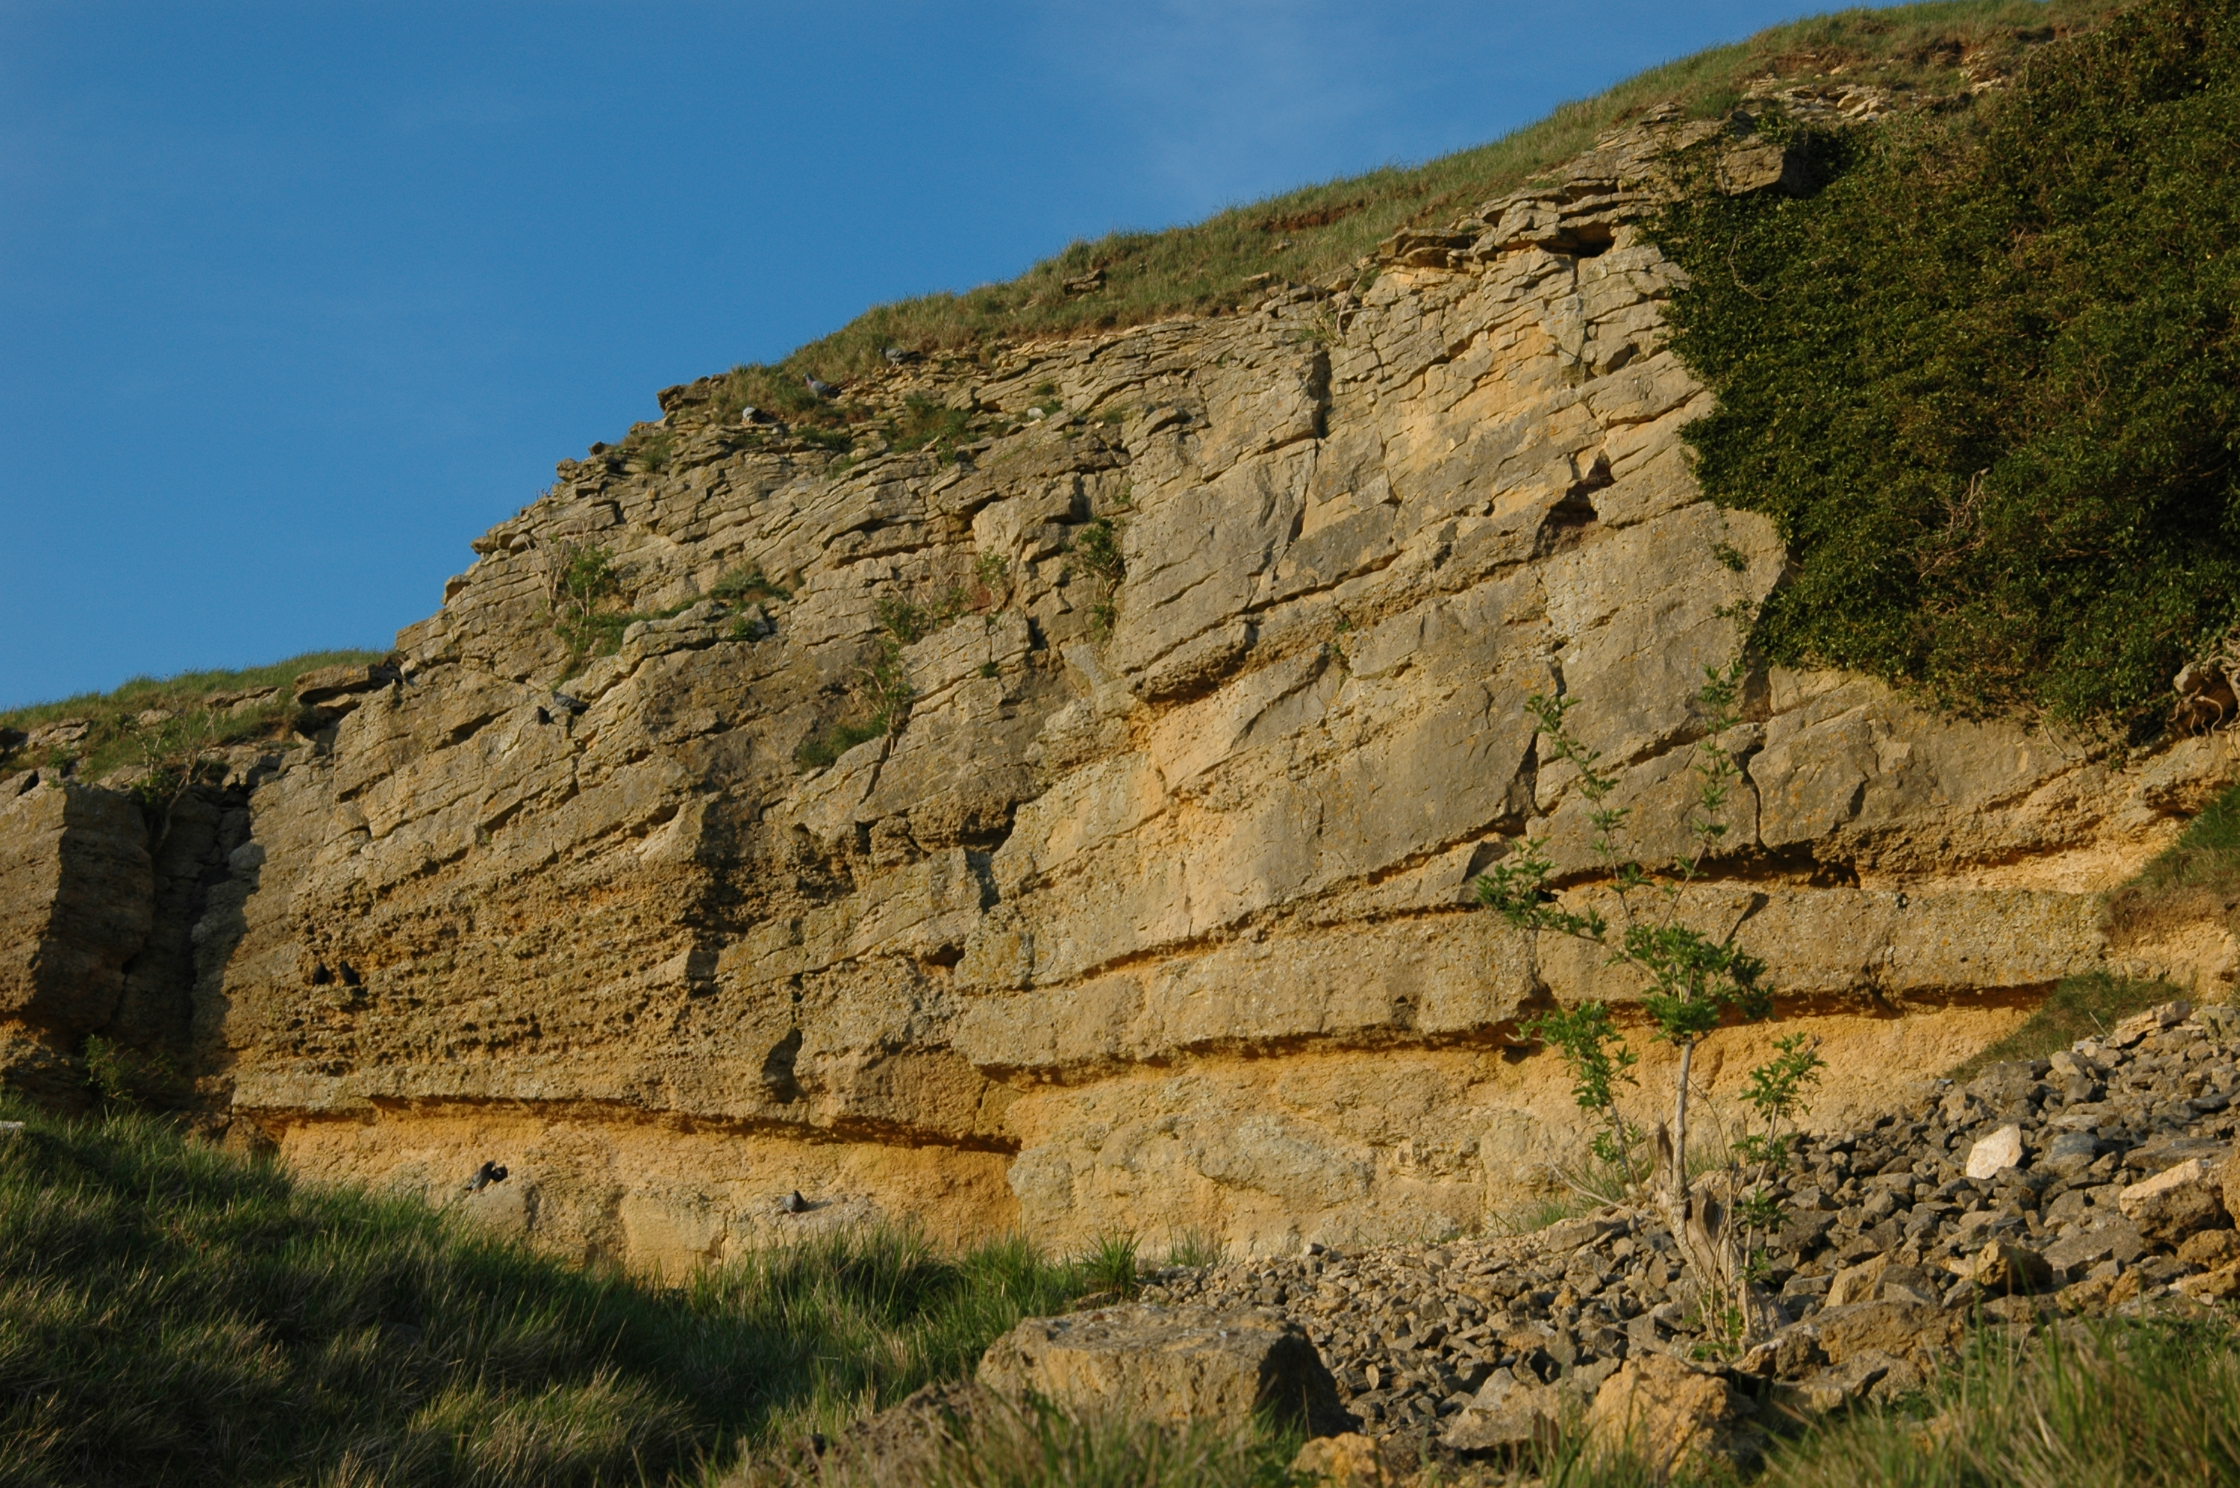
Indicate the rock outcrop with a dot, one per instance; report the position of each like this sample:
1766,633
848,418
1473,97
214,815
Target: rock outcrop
1202,669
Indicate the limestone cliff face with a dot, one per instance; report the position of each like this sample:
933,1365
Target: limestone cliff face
1153,912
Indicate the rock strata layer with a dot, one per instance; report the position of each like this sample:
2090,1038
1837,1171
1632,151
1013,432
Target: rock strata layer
1073,832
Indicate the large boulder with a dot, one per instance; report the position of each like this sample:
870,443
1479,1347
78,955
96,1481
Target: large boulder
1169,1364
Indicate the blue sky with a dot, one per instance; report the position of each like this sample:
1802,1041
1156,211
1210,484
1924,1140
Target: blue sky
297,298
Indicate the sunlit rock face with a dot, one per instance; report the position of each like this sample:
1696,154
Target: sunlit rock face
1152,912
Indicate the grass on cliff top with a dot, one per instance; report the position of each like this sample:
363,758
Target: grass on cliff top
1986,382
1319,232
173,1314
116,738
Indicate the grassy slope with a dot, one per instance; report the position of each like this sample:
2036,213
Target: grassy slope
171,1314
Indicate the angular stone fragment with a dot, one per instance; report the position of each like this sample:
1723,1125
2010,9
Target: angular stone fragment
1869,1372
2228,1182
2176,1202
1168,1364
1791,1354
1673,1416
324,687
2070,1153
1906,1330
2136,1027
1506,1412
1348,1460
2099,1293
1859,1283
2006,1268
2220,1285
1995,1153
2117,1240
2206,1250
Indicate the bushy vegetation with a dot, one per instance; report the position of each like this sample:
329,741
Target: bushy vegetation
116,736
1987,380
1319,232
172,1314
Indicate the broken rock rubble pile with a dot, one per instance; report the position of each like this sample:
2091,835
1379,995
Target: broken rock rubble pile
2095,1176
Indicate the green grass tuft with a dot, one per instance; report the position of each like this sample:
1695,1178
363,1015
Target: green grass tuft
2197,878
2079,1007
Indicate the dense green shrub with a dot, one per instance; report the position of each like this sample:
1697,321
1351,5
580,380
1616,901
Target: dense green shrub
1987,380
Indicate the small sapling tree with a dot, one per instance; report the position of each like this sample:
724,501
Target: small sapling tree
1691,982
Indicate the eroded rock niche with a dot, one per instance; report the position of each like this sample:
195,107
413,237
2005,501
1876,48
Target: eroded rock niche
1153,912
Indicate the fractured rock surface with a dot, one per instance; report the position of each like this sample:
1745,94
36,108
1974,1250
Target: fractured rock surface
1152,910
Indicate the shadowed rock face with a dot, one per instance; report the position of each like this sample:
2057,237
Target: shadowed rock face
1153,913
75,905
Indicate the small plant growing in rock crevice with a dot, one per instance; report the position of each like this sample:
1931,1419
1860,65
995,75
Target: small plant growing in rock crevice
882,686
1692,982
991,583
585,586
649,449
1095,554
923,423
745,583
174,755
1774,1094
123,1078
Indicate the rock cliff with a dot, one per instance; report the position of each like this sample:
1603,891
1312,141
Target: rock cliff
1202,665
